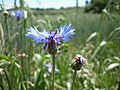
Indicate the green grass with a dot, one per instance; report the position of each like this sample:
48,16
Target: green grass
29,72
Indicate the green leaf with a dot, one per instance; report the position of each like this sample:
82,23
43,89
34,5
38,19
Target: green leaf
1,69
114,33
91,36
4,57
39,82
111,66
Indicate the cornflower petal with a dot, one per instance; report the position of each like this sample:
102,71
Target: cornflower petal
65,29
44,45
36,35
66,32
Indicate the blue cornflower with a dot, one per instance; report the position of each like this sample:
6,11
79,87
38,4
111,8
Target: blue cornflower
51,37
49,68
18,13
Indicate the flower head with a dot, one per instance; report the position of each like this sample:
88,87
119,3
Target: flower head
51,37
18,13
78,62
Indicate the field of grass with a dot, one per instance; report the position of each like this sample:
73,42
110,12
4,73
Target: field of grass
23,62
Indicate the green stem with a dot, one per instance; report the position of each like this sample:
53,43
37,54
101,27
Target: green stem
25,50
8,32
21,39
22,3
74,76
21,50
18,36
25,39
53,70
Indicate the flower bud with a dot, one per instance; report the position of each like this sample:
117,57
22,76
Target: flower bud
78,62
51,47
5,13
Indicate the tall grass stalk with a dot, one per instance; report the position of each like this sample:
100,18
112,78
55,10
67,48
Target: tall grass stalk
76,10
8,32
25,43
53,70
7,79
1,39
20,45
18,39
22,3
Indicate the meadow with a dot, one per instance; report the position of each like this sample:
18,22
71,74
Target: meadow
97,38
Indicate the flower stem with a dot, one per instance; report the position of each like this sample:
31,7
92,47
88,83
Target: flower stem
8,32
53,70
74,76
